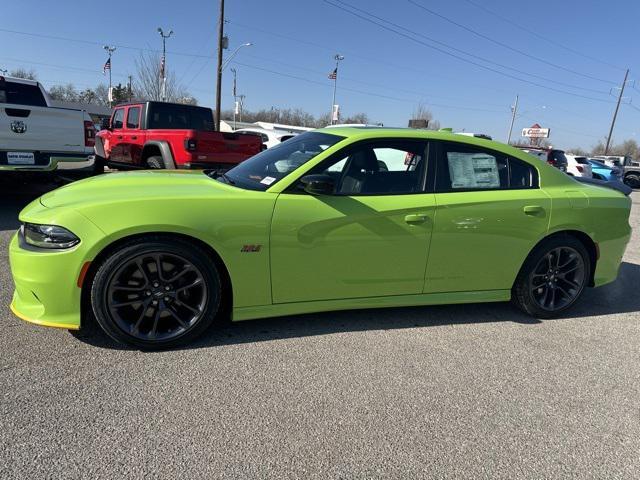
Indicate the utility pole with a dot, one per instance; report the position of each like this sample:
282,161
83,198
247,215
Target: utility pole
109,50
334,75
130,87
219,69
615,113
514,111
163,63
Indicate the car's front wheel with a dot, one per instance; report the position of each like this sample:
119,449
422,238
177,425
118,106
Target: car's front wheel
553,277
155,292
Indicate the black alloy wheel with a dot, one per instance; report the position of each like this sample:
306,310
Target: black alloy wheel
557,279
156,294
553,277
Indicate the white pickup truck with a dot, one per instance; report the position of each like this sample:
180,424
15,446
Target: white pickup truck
34,136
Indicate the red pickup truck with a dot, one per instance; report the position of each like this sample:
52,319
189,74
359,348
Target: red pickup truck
169,135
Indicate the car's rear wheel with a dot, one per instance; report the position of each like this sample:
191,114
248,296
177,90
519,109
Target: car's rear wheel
632,179
156,293
155,162
553,277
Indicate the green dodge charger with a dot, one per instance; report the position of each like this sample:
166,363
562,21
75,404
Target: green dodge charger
333,219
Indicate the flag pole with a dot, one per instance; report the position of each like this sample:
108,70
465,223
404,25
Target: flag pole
337,57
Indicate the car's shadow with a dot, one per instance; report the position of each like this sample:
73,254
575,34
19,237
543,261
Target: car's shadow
616,298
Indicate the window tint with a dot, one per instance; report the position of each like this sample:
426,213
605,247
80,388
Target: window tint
181,117
118,117
464,168
21,94
133,117
380,168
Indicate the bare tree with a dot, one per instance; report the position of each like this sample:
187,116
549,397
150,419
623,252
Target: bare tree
422,112
149,81
23,73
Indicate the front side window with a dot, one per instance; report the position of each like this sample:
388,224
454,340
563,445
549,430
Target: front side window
378,168
133,117
468,168
270,166
118,118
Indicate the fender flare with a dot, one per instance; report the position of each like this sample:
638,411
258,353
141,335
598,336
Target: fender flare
98,148
165,151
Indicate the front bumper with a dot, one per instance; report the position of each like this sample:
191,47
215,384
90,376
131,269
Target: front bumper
46,281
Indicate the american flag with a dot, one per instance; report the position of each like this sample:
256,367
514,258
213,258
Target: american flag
162,67
333,75
107,66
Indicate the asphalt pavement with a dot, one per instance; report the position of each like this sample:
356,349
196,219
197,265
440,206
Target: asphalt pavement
469,391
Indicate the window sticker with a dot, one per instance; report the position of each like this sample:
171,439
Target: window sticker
267,180
473,170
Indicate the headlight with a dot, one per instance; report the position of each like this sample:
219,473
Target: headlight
48,236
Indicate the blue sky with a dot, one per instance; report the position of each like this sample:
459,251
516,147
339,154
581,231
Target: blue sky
384,74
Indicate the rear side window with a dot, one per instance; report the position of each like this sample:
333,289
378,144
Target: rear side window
582,160
133,117
118,118
21,94
463,168
179,117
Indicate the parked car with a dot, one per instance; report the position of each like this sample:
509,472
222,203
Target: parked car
35,136
269,138
159,257
551,156
578,166
169,135
616,160
604,172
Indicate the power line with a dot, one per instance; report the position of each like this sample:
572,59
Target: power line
362,92
508,47
402,33
541,37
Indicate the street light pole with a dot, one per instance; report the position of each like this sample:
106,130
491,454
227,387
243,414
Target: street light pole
338,58
110,50
163,63
235,101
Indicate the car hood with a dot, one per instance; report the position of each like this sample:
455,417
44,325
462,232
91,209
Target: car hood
142,185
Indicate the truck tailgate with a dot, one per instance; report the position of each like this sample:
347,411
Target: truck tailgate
49,129
222,147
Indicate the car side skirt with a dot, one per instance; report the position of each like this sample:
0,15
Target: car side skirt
441,298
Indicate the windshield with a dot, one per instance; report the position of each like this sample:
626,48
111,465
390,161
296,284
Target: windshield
270,166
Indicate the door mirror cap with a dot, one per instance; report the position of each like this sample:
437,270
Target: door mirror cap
318,184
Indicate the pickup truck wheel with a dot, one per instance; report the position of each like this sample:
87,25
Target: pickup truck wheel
155,162
156,293
632,179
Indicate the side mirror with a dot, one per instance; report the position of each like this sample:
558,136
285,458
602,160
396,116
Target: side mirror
318,184
105,124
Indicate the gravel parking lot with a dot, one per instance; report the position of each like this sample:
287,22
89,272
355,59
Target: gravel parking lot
476,391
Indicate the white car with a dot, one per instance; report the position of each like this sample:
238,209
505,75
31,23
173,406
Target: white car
35,136
578,166
270,138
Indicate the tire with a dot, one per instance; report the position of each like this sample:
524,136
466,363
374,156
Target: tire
135,305
156,162
98,165
632,179
553,277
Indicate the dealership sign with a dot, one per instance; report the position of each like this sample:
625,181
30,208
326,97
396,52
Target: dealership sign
536,131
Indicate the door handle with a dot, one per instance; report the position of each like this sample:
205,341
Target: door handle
415,218
119,137
134,138
533,210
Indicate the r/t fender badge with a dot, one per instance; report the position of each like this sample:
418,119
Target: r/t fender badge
250,248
